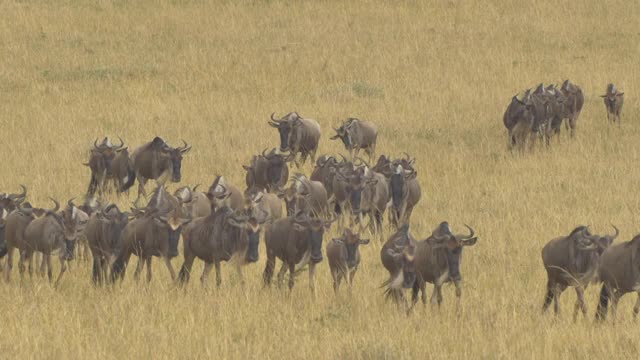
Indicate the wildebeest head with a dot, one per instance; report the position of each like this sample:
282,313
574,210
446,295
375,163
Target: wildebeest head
272,167
398,184
451,244
28,210
406,277
355,183
172,221
174,155
250,223
603,242
345,132
352,241
113,221
73,223
611,94
285,127
9,202
314,229
218,192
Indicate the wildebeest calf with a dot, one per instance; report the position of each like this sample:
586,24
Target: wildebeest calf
343,256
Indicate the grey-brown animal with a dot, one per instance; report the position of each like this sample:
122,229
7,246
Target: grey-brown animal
325,170
222,193
573,104
263,202
9,202
619,272
15,224
405,193
104,235
297,135
55,233
307,196
437,261
572,261
518,119
158,161
268,171
343,255
222,236
297,241
195,203
123,172
358,135
397,256
613,101
100,159
152,233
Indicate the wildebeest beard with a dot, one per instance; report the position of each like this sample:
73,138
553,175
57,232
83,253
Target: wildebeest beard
284,137
351,254
252,251
453,260
397,182
176,164
315,243
69,247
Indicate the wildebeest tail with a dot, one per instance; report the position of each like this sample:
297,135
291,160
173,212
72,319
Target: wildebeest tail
183,275
131,179
117,268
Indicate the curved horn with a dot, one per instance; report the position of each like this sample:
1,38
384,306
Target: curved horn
264,152
56,207
277,121
195,188
70,202
184,148
27,211
363,161
95,144
471,232
121,143
613,237
21,195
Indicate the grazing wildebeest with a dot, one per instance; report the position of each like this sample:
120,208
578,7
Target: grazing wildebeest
15,224
573,104
159,161
154,233
100,159
221,236
343,256
397,255
572,261
358,135
104,235
297,135
9,202
613,101
55,233
437,261
195,203
221,193
620,273
297,241
268,171
259,201
305,196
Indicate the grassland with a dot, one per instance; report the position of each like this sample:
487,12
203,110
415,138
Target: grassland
435,77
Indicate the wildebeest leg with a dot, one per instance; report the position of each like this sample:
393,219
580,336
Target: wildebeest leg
636,307
437,294
63,268
615,297
38,258
548,297
239,271
351,274
312,278
141,183
149,272
139,268
557,291
458,285
335,274
208,266
185,269
9,265
283,270
96,273
218,275
172,272
580,304
269,268
292,269
605,294
46,260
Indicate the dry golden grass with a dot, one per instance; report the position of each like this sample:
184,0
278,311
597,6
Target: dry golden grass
436,78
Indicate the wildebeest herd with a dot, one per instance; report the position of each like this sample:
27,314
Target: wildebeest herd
224,224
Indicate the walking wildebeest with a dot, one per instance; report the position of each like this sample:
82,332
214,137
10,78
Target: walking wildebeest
195,203
397,255
221,236
259,201
325,170
573,104
437,261
54,233
154,233
343,256
268,171
123,173
620,273
104,235
15,224
405,194
297,135
100,159
518,119
358,135
296,240
572,261
159,161
221,193
613,101
305,196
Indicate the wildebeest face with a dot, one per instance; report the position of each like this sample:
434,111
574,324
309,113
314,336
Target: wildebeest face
174,155
253,234
173,225
397,184
314,230
452,245
276,167
69,249
408,269
285,130
352,242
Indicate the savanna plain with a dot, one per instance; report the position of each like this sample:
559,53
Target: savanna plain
435,76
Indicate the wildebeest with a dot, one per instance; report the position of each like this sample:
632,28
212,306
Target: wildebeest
518,119
104,235
343,255
222,193
405,194
619,272
573,104
9,202
55,233
613,101
268,171
437,261
100,159
159,161
195,203
358,135
221,236
297,135
572,261
259,201
305,196
297,241
325,170
397,255
123,173
154,233
15,224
